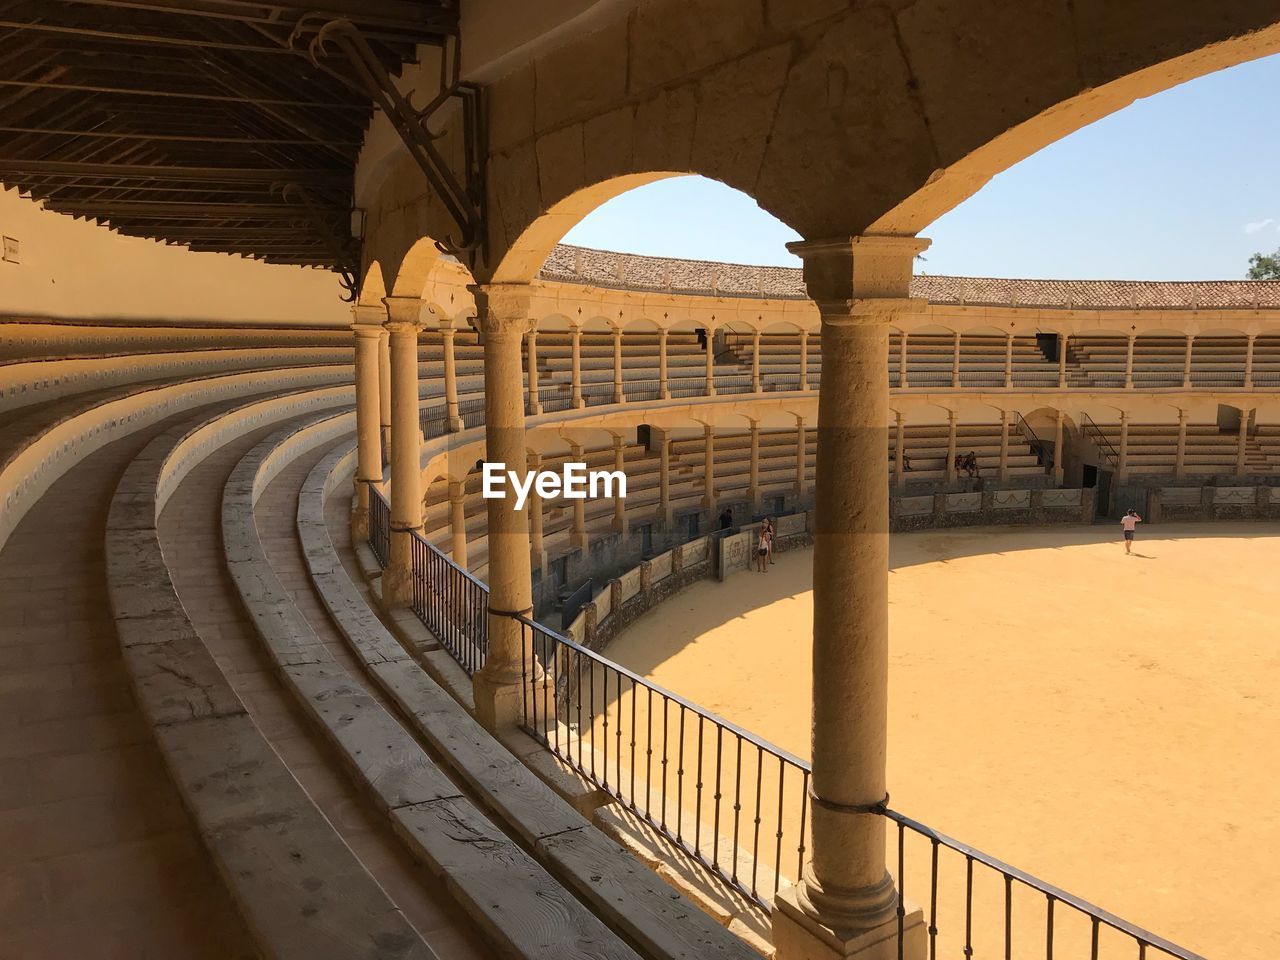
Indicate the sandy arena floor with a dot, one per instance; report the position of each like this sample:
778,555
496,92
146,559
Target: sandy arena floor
1110,724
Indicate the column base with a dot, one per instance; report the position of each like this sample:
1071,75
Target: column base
579,541
799,936
456,425
500,701
397,586
359,524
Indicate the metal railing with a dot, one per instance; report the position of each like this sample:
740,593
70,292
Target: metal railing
452,604
1105,447
1038,446
735,804
379,525
733,384
687,386
1027,911
732,802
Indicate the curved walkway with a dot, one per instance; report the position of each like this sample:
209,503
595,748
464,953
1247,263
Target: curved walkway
97,856
191,536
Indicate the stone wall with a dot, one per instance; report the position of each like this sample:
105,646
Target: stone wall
991,507
1212,503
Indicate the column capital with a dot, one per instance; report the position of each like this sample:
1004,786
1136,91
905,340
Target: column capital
368,315
852,268
503,308
403,310
368,331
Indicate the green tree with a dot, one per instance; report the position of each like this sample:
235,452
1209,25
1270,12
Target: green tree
1264,267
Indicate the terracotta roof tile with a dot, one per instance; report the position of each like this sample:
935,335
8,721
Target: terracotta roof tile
629,271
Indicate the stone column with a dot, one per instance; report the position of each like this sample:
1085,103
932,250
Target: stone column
1128,363
802,453
664,387
709,467
755,362
1063,340
1179,463
1242,445
503,315
406,469
619,504
618,395
1186,363
450,378
1248,361
955,361
902,360
899,442
384,385
531,371
578,530
1058,440
804,359
951,447
458,522
368,332
845,904
537,548
1008,361
753,476
1004,446
575,366
664,480
711,362
1122,468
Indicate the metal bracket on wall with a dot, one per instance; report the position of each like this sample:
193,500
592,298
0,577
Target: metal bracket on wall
346,255
463,197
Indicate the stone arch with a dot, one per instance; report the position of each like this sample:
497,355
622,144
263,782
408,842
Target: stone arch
372,287
838,121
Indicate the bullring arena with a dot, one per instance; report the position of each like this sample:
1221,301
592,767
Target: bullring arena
278,681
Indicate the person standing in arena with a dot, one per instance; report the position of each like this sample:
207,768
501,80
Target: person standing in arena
1128,523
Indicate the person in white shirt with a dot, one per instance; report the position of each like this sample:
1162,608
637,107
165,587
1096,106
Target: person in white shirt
1128,523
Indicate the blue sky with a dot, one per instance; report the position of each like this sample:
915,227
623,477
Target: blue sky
1182,186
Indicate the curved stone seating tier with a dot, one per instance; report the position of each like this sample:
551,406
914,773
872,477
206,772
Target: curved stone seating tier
49,339
299,886
524,911
44,443
628,895
26,382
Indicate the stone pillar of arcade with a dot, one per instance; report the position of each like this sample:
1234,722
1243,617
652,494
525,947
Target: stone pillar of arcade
368,332
1059,465
403,325
1122,467
711,361
384,388
753,471
458,522
537,545
619,502
575,366
664,386
1180,460
618,395
804,359
452,416
755,362
846,904
503,317
578,529
709,468
950,466
1242,444
531,354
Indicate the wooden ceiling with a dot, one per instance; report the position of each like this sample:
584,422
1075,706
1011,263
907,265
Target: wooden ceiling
184,120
